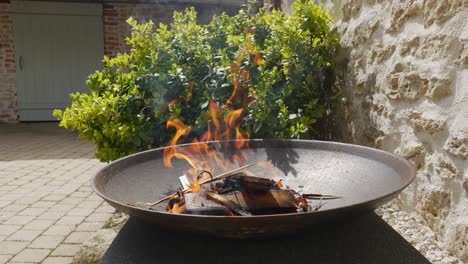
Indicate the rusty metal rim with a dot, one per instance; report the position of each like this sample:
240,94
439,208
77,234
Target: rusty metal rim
411,168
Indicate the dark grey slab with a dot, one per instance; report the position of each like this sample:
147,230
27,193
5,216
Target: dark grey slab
367,239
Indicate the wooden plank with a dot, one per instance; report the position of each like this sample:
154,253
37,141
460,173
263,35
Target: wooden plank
228,203
273,201
198,204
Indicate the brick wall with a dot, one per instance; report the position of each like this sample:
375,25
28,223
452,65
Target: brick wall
8,109
115,15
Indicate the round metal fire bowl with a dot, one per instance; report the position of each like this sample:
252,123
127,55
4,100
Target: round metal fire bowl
365,177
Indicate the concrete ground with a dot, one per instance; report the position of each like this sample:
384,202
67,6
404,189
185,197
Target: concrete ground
47,207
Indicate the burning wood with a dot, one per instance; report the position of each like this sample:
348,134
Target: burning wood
239,194
235,193
265,202
228,203
192,187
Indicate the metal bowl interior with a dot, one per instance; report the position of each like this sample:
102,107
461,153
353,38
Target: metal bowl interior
365,178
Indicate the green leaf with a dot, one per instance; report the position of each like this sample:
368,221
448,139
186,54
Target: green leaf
187,64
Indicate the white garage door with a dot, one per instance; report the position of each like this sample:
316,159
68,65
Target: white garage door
57,46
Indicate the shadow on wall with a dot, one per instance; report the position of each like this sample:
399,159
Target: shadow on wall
349,122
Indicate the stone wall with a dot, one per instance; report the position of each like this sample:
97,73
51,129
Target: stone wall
8,112
403,67
115,14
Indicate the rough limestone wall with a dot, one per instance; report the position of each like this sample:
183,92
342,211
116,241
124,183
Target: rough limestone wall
8,112
404,71
115,15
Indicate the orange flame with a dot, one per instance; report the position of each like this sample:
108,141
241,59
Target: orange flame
195,187
180,99
176,209
280,184
204,156
224,123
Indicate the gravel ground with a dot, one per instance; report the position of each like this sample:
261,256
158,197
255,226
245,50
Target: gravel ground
419,235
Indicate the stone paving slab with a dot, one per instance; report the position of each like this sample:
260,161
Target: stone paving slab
47,207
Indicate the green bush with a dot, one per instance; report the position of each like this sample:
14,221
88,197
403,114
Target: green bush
187,64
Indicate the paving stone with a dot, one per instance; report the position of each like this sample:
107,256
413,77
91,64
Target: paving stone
61,208
45,194
41,180
98,217
58,260
72,200
3,181
28,200
57,183
10,197
70,220
6,230
46,242
38,224
14,208
54,197
37,173
25,235
43,204
47,189
105,208
28,185
66,250
24,190
78,237
59,230
90,226
31,255
5,203
47,215
19,220
39,193
65,190
12,247
94,197
80,212
89,205
8,187
4,216
17,183
32,211
86,188
80,194
5,258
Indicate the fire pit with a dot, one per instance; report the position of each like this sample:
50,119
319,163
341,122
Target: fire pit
363,177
